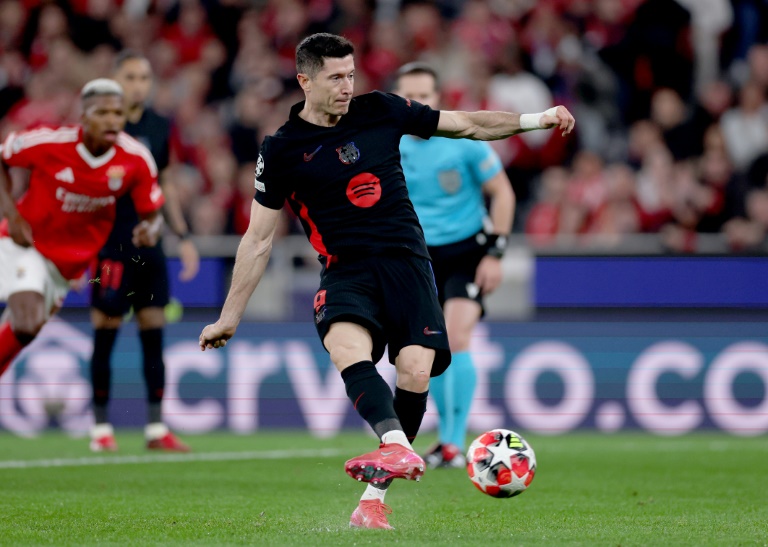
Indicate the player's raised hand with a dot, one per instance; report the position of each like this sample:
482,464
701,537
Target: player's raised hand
215,336
562,119
20,231
190,260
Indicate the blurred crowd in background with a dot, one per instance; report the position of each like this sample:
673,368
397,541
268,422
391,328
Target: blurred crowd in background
669,96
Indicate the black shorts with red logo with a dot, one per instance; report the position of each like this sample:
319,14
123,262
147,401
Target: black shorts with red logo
130,277
393,296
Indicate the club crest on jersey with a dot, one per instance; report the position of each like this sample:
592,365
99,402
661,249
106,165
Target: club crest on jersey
115,174
349,153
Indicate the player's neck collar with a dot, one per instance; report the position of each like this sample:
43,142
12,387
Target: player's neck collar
295,117
94,162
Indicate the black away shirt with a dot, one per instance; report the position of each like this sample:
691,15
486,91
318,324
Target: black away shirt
345,183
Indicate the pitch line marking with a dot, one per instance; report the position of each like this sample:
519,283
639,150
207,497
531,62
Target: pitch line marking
169,458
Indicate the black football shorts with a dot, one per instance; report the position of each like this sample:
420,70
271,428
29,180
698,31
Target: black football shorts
128,278
455,266
393,296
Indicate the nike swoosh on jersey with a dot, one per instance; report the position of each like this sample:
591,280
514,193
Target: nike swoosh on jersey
308,157
430,332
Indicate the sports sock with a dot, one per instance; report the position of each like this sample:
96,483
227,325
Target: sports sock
101,370
410,408
439,388
464,381
374,492
371,397
10,346
154,367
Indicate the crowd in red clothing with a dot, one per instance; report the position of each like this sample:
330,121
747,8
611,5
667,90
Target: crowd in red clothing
669,96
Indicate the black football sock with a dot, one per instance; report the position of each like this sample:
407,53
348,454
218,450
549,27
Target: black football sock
410,408
154,368
371,396
101,371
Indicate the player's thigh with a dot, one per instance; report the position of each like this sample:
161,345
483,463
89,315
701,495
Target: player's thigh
413,316
461,316
348,343
151,317
30,284
349,294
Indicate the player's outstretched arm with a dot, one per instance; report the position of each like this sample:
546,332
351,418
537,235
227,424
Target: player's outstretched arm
486,125
250,263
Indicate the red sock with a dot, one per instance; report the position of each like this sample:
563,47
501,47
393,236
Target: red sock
9,346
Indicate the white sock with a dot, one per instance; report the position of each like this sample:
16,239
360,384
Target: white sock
396,436
101,430
155,431
373,493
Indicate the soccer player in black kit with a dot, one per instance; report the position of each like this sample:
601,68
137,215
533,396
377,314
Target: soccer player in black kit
128,276
337,162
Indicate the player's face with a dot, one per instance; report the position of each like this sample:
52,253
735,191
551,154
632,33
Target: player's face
419,88
103,118
135,76
332,88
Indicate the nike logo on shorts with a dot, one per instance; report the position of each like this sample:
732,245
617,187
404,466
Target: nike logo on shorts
308,157
431,332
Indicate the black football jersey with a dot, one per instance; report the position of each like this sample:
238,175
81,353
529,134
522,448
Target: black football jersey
154,132
345,183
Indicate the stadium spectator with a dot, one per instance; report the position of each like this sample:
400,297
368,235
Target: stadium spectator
465,243
54,231
377,287
137,279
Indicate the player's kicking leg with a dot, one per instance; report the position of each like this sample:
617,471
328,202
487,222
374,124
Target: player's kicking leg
410,402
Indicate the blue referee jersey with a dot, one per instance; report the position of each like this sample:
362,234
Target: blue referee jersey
444,179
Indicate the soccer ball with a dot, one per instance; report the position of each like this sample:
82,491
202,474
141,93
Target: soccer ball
501,463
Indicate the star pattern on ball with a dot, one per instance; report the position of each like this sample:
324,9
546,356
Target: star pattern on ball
498,455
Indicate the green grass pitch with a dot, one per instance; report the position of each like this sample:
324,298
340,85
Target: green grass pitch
291,489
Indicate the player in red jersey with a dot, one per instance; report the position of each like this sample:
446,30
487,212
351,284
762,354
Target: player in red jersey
55,230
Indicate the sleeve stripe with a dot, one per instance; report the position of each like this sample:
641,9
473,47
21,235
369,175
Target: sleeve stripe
29,139
134,147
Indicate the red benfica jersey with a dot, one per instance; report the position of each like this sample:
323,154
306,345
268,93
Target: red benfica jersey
70,203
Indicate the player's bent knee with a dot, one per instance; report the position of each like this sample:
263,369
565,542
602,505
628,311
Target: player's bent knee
414,366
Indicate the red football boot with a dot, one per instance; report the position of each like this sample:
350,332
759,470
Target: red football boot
390,461
371,514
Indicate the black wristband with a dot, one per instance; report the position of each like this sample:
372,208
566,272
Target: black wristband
497,244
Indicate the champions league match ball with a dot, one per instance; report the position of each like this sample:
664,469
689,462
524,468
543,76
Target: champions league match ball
501,463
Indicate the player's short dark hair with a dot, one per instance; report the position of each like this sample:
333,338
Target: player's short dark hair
128,55
416,68
312,50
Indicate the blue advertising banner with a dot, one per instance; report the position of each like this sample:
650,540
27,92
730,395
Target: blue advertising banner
665,377
651,281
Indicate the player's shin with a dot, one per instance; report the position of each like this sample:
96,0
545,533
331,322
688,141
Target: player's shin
371,397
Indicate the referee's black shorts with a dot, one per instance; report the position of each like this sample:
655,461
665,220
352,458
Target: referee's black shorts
130,277
455,266
393,296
